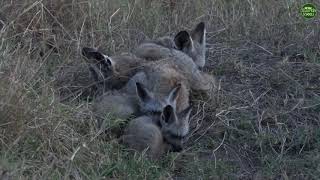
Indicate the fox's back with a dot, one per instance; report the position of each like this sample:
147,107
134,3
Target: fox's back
152,51
126,64
115,103
142,133
182,63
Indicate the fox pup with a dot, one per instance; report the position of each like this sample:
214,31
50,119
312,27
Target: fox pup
161,79
124,104
158,134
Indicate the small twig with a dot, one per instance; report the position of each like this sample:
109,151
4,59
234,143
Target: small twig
216,149
224,137
269,52
27,28
75,152
205,132
259,97
57,21
304,143
291,78
110,19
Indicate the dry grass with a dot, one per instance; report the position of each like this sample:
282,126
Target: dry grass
261,123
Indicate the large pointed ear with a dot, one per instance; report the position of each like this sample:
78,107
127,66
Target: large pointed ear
183,40
168,115
92,53
143,93
185,114
199,33
98,57
173,95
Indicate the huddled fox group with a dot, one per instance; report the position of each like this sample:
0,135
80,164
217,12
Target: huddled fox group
152,84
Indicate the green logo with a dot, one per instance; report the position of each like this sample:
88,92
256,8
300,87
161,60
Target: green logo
308,11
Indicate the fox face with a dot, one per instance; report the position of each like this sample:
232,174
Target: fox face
149,104
174,127
158,133
193,44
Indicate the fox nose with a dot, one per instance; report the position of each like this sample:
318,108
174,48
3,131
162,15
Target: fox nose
177,148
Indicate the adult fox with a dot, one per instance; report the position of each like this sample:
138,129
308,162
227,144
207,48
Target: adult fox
183,47
185,52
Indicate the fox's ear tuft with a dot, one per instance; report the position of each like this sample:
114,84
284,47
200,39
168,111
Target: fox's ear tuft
143,94
199,32
183,40
108,62
174,93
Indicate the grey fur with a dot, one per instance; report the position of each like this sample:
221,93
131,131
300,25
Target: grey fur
144,133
